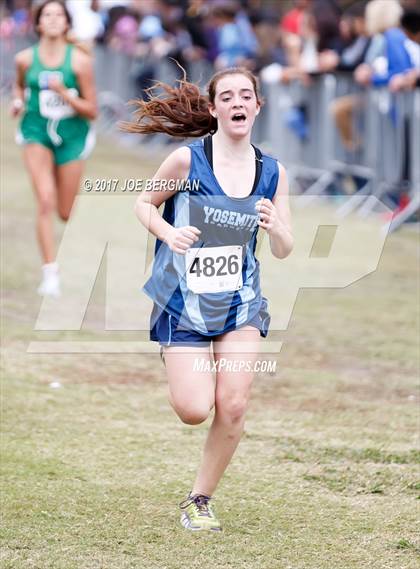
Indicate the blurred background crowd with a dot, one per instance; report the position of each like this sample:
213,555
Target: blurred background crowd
374,43
281,40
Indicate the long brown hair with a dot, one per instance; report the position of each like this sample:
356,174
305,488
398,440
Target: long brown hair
182,111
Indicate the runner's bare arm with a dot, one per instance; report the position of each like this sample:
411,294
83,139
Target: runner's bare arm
175,167
22,62
275,218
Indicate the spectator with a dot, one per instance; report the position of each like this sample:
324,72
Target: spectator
87,22
150,47
124,33
387,54
179,40
233,46
111,11
292,21
292,28
194,21
15,20
410,22
162,34
326,17
272,57
320,33
343,108
249,40
270,50
354,35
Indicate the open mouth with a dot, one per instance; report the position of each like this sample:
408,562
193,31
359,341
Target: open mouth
239,117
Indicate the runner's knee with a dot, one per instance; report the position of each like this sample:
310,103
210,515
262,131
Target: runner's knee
64,215
46,204
192,415
232,408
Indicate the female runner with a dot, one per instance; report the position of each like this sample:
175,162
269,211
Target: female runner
205,278
55,92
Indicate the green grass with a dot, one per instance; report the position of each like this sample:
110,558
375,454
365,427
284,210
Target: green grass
325,476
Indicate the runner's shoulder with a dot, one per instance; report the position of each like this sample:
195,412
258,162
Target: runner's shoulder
276,164
180,161
81,58
23,58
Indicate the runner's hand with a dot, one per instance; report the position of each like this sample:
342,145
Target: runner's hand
55,84
17,107
268,214
180,239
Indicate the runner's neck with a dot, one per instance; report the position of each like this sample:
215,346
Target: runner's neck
52,51
238,151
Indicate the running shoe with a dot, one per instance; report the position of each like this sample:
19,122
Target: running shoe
50,285
198,513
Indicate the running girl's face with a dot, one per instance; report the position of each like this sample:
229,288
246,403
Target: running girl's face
53,21
235,105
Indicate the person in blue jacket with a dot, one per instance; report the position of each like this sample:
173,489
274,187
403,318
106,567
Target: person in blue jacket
387,54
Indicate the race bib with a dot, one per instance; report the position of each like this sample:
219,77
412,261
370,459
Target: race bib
214,269
52,105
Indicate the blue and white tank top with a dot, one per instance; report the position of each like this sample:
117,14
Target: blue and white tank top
215,287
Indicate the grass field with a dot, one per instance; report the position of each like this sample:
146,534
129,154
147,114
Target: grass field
325,477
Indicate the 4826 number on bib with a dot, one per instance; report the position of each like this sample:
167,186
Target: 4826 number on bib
214,269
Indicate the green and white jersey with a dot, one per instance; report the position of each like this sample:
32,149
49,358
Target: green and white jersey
48,119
